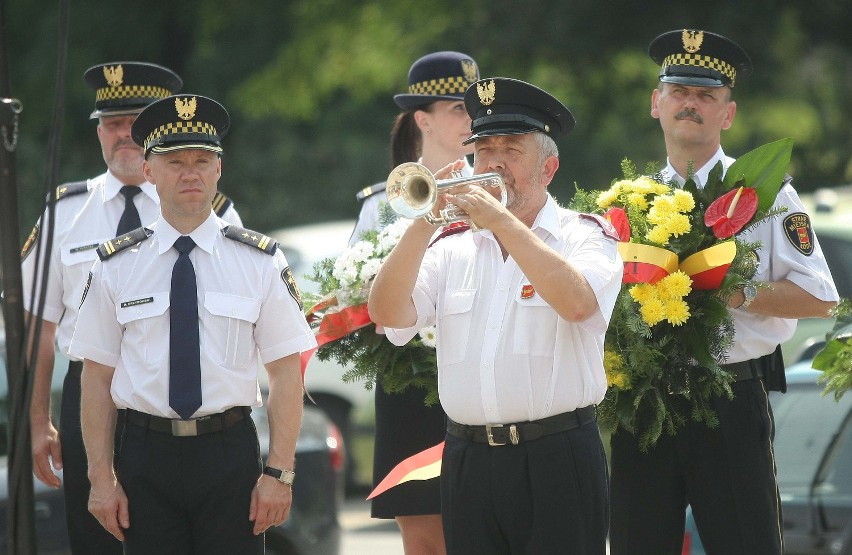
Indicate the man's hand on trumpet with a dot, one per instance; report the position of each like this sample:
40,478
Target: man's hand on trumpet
484,211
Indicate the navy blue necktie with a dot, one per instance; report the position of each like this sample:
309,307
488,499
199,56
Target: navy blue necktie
184,348
130,217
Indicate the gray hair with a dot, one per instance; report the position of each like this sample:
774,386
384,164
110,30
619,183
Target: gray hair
546,147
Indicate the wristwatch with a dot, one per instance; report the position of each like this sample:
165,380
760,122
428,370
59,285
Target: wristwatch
749,292
283,476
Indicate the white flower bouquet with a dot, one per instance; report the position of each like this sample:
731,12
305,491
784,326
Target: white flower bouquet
344,330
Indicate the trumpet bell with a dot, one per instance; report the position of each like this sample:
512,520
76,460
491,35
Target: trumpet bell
412,192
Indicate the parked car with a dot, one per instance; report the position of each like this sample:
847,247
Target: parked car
312,529
304,246
813,453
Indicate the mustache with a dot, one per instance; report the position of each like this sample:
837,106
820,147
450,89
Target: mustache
689,114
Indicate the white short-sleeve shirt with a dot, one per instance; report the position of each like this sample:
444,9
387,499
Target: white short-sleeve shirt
83,222
246,310
505,355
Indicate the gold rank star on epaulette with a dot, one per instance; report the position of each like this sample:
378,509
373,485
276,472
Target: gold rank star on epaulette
70,189
122,242
251,238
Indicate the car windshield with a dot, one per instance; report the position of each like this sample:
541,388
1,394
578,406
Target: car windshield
805,422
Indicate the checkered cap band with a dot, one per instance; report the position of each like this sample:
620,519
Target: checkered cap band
131,91
442,86
177,127
697,60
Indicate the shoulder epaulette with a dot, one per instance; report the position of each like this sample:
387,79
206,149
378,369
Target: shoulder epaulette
451,229
370,190
221,203
122,242
251,238
70,189
606,225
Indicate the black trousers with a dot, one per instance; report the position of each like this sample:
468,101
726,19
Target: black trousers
190,495
727,474
544,496
85,534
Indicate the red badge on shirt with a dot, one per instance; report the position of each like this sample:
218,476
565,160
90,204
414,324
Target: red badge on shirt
527,291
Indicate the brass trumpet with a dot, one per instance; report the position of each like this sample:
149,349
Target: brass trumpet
412,192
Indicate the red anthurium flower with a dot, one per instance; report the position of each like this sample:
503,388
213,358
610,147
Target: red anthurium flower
731,212
618,219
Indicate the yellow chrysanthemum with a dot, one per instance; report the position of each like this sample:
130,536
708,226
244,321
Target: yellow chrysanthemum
658,234
674,286
642,292
683,201
638,200
677,312
647,186
662,207
612,361
606,198
617,379
621,186
677,224
653,311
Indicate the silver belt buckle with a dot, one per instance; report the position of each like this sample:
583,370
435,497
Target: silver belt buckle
184,428
513,435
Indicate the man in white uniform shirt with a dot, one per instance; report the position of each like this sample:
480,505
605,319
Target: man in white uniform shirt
727,474
172,340
88,213
521,310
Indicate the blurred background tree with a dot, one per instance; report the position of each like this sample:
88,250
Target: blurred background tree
309,84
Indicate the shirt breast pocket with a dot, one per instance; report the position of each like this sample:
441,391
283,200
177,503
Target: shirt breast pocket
535,325
79,253
454,325
146,325
231,329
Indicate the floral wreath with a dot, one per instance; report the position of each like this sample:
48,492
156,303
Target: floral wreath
671,328
344,330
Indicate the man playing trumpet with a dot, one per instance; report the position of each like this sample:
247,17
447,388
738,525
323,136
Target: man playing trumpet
521,310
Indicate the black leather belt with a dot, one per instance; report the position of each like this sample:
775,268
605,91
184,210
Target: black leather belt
503,434
195,427
746,370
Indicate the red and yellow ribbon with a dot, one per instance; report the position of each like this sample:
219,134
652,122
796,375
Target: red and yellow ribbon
422,466
649,264
334,325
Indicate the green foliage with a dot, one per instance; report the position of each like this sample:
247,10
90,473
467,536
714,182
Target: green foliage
309,85
835,359
371,357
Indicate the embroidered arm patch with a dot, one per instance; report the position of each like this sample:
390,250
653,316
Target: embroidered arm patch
290,280
797,228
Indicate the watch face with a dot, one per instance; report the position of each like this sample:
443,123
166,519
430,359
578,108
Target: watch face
750,292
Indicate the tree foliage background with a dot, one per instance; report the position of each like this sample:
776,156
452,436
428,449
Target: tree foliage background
309,84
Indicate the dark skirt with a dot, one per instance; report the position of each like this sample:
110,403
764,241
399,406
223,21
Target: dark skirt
405,427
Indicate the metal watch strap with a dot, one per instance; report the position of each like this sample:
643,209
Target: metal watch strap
283,476
749,294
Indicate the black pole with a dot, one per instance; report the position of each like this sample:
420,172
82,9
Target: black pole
20,523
